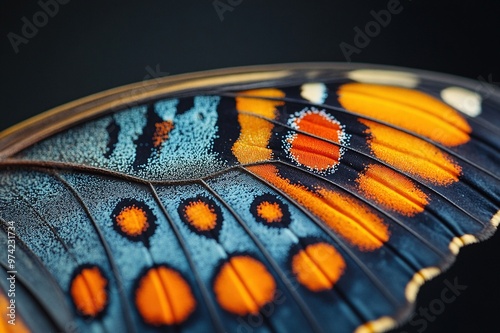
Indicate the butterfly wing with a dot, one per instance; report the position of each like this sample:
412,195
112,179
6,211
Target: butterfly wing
317,197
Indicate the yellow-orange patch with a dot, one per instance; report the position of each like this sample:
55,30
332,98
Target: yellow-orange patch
161,132
252,144
200,215
318,267
132,220
244,285
270,211
392,190
313,152
410,109
164,297
353,220
88,291
411,154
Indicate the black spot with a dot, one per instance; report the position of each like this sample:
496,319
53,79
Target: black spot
113,130
145,142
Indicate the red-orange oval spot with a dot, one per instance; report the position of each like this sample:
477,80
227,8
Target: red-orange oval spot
201,215
163,297
132,220
88,291
244,285
312,152
318,267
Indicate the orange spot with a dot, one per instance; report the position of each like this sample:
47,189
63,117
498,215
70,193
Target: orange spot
244,285
407,108
313,152
318,267
164,297
20,326
200,215
252,144
161,132
132,220
353,220
392,190
88,291
270,212
411,154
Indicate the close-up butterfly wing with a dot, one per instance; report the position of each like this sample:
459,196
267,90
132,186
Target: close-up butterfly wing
312,197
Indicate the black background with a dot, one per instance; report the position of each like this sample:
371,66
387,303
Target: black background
88,47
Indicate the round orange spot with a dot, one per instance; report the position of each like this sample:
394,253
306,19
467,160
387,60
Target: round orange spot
163,297
312,152
270,211
244,285
88,291
132,220
318,267
201,215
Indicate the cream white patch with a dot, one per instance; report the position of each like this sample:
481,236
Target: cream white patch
377,76
315,92
495,220
463,100
381,324
458,242
418,279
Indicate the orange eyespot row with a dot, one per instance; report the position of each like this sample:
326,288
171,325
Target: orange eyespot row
132,220
252,144
318,267
163,297
354,221
88,291
312,152
410,109
270,211
411,154
161,133
392,190
200,215
244,285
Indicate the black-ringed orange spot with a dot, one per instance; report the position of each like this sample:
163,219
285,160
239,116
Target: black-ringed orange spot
134,219
164,297
89,291
243,285
316,265
202,215
270,210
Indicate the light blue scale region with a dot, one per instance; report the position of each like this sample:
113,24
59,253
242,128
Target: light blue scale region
208,255
40,195
133,258
187,154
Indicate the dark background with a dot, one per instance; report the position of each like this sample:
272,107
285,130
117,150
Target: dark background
88,47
